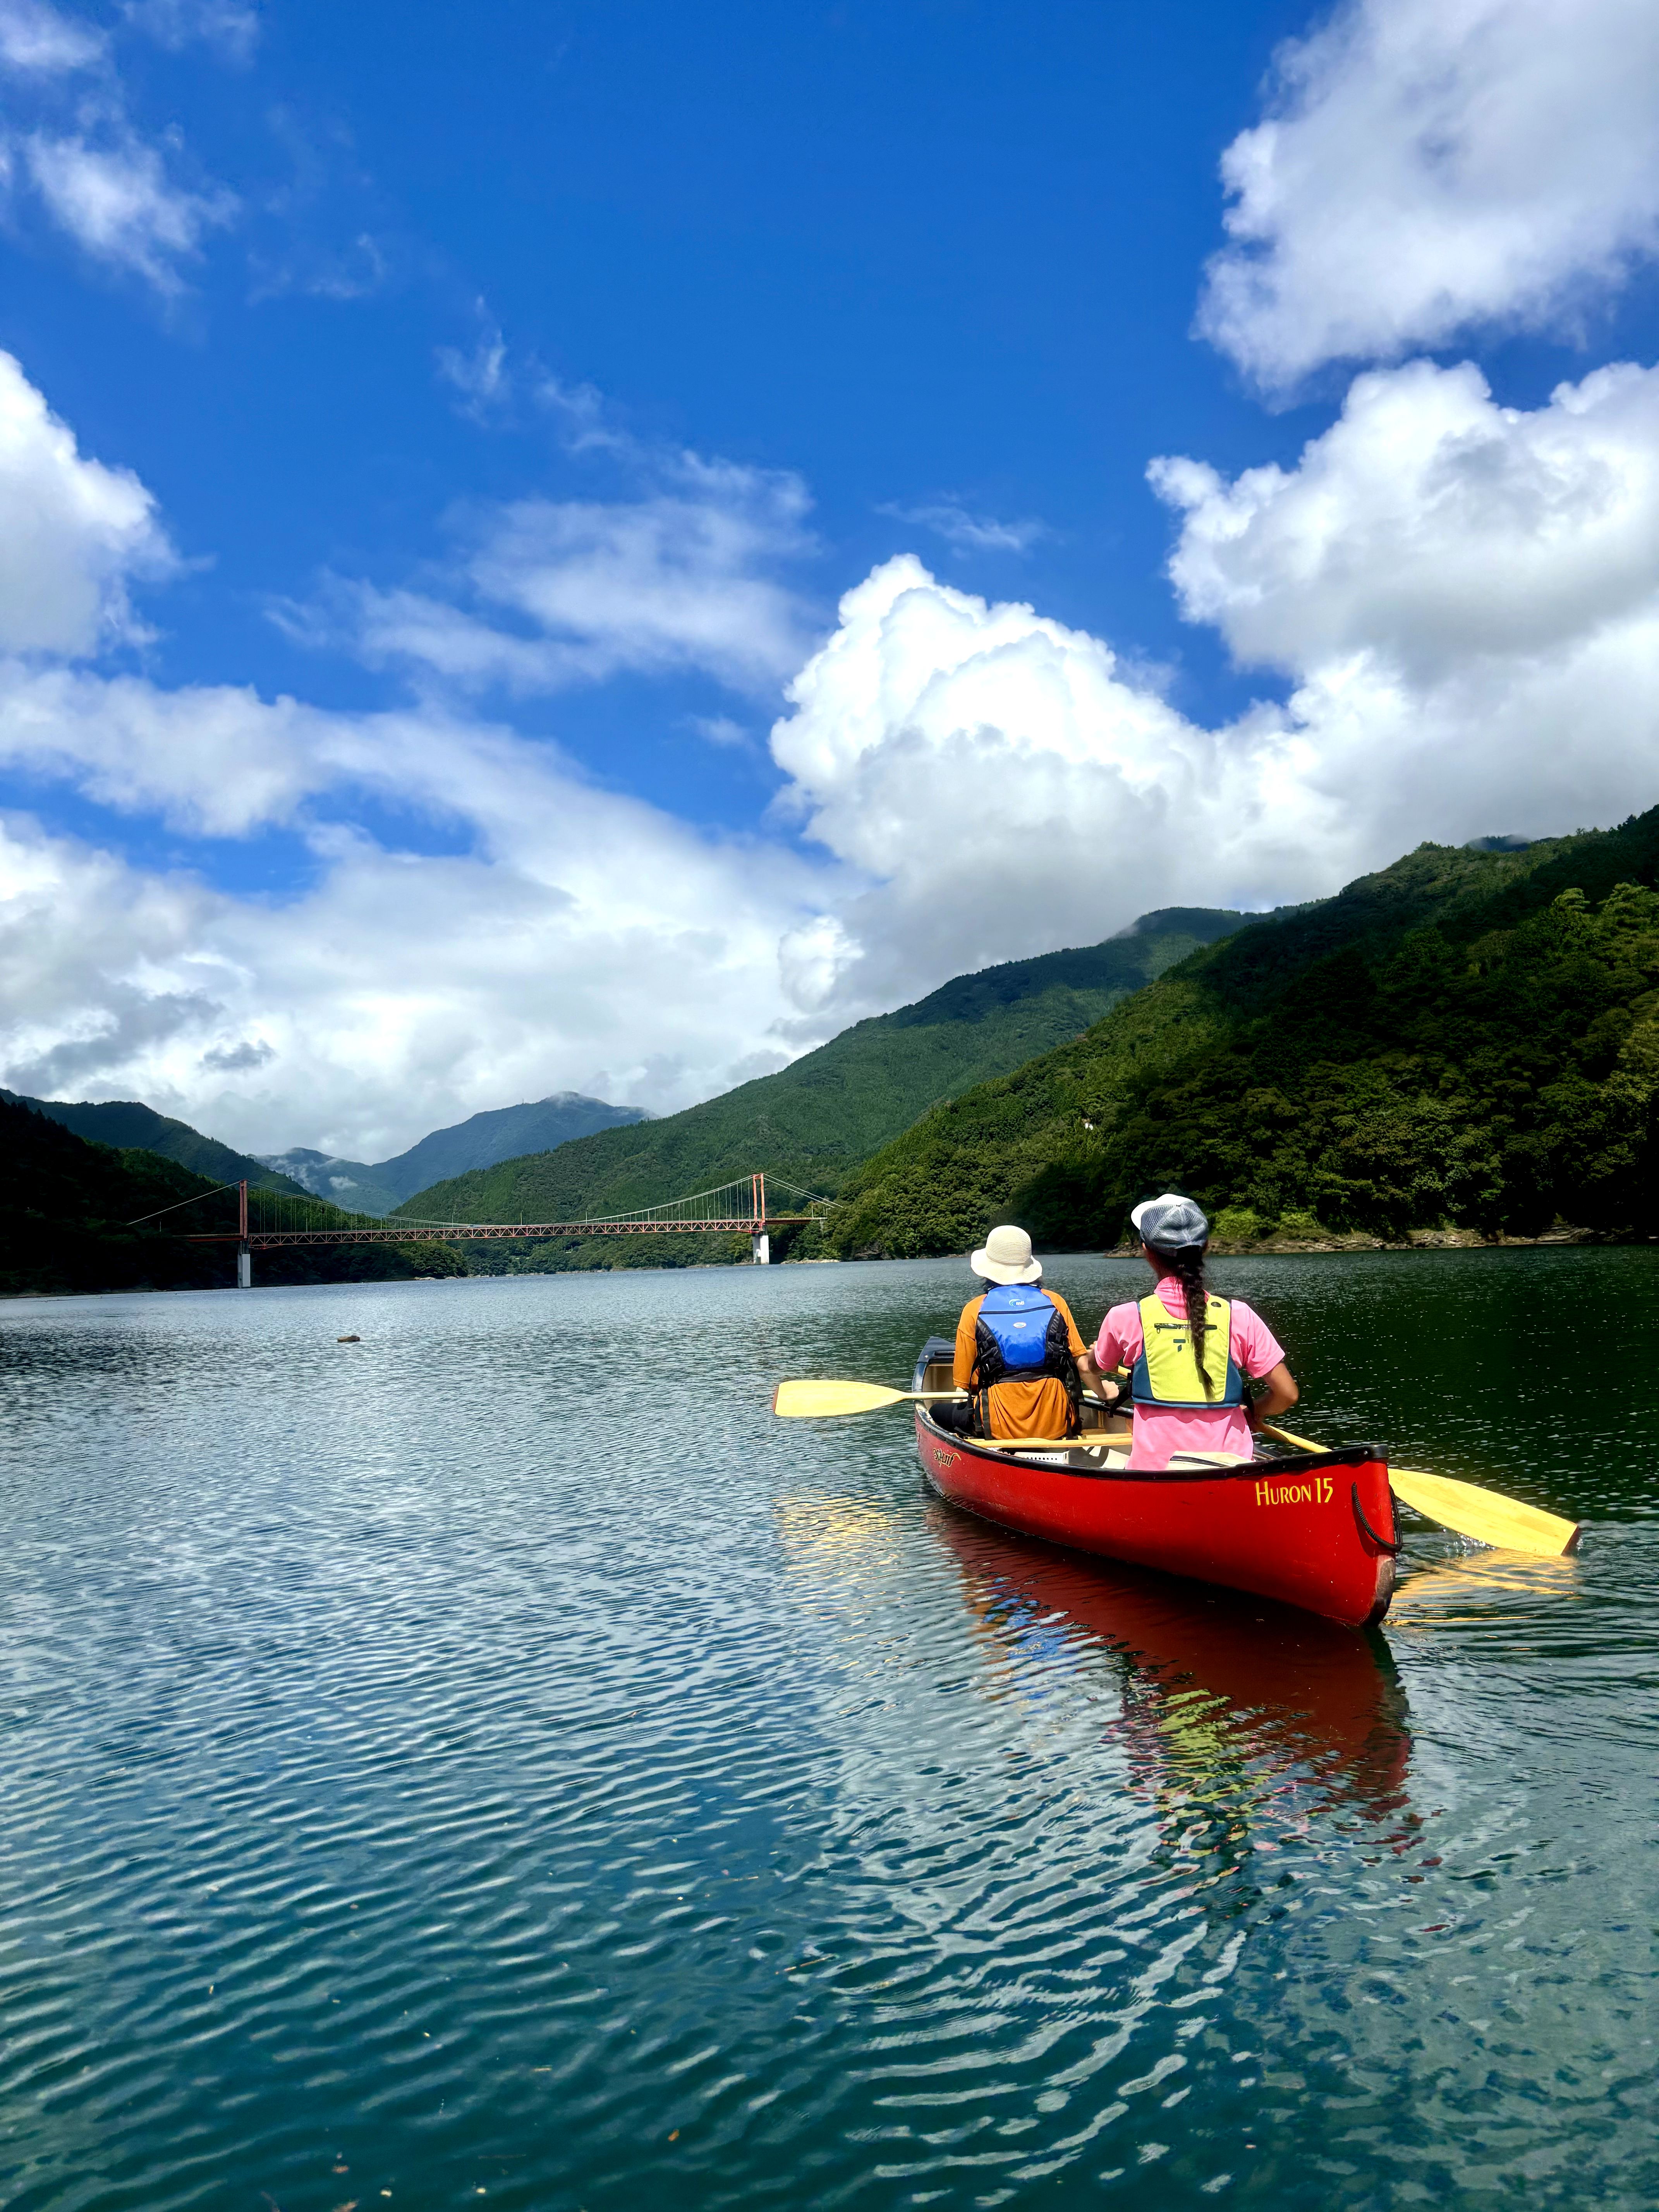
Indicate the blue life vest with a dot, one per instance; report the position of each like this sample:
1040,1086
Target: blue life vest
1020,1336
1016,1317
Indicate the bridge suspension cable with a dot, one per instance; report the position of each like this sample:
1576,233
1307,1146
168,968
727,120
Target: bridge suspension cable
268,1219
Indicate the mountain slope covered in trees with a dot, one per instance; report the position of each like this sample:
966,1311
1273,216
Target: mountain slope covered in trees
72,1219
814,1120
129,1125
1466,1038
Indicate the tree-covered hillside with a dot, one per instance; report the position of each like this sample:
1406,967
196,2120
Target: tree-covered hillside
129,1125
1466,1038
68,1209
814,1120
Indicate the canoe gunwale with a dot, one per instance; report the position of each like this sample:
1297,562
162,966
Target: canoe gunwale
1248,1470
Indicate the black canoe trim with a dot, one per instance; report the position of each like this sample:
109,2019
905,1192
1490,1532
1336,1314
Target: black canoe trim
1380,1542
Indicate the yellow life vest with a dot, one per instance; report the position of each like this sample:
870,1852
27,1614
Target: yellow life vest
1167,1372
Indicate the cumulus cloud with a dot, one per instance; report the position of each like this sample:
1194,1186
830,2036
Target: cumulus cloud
1467,595
1003,785
1461,598
546,593
1431,527
1430,166
73,534
1466,598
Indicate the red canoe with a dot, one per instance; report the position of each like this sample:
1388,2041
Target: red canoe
1316,1531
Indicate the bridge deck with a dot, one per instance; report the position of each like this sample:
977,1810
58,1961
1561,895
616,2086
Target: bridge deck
459,1232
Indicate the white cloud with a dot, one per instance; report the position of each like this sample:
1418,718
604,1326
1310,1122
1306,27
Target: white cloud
228,26
720,730
552,593
1005,788
581,940
482,376
72,532
116,193
1467,595
1464,597
1430,166
575,939
36,40
1431,527
116,199
973,533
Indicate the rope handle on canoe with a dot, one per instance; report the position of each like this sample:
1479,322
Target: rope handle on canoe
1380,1542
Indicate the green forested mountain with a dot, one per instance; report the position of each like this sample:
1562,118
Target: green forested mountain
64,1209
1465,1038
68,1207
814,1120
128,1126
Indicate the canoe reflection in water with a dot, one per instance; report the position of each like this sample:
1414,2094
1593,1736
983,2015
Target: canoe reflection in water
1232,1708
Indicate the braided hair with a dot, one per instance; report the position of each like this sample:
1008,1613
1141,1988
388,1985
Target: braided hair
1188,1267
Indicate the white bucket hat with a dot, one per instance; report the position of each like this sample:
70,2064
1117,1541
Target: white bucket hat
1006,1257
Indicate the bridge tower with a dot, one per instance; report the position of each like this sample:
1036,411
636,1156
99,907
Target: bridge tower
760,1244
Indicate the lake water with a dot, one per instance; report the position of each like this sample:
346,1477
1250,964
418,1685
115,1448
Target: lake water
497,1761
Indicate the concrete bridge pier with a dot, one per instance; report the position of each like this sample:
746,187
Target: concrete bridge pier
244,1269
760,1249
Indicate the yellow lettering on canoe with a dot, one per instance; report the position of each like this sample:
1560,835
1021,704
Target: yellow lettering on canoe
1318,1491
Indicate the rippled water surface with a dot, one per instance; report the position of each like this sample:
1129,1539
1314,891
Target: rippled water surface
496,1760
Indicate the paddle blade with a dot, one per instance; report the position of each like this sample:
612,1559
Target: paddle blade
1485,1514
797,1401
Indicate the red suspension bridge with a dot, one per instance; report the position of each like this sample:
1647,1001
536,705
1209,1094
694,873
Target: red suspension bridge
268,1219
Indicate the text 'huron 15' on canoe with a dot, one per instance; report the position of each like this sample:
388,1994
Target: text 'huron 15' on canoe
1316,1531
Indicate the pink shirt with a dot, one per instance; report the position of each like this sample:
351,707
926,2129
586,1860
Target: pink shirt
1255,1351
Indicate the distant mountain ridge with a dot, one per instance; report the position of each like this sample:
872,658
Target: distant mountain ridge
817,1118
498,1133
127,1125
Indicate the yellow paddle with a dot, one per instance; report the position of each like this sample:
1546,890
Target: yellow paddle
1485,1514
797,1402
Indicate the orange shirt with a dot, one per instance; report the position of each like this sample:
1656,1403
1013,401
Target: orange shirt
1019,1409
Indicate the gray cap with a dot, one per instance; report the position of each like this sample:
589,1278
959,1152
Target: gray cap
1171,1223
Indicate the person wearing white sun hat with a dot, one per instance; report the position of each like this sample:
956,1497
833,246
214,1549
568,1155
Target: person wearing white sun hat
1189,1352
1019,1355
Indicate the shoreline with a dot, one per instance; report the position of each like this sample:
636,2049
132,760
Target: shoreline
1415,1240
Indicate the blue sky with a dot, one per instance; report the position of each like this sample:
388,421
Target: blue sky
438,444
